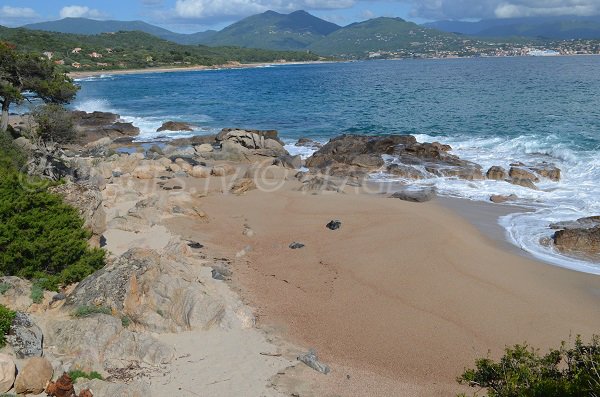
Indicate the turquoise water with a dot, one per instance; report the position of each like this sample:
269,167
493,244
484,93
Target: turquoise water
491,110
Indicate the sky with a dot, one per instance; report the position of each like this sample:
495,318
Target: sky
198,15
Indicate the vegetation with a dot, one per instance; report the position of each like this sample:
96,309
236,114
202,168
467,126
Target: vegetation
86,311
4,288
54,123
74,375
26,72
129,50
37,292
524,372
7,317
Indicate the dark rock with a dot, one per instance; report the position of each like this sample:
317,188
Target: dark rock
195,245
288,161
405,171
118,129
312,360
174,126
415,196
296,246
307,142
334,225
25,337
498,173
96,125
581,223
59,297
547,170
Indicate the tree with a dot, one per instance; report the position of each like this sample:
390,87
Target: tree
55,123
20,73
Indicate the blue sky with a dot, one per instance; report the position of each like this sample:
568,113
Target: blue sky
198,15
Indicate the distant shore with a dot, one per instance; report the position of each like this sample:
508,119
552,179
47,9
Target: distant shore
93,73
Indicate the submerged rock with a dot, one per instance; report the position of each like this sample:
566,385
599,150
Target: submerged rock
498,198
497,173
175,126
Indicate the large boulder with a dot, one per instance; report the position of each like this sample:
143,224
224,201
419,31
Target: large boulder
581,237
175,126
263,143
34,376
96,125
497,173
415,196
522,173
8,373
25,337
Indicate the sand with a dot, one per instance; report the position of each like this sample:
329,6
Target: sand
399,300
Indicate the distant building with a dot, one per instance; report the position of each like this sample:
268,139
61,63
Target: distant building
59,62
48,54
109,50
95,55
76,50
76,65
101,64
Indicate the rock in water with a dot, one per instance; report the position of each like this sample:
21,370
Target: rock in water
296,246
415,196
7,373
174,126
334,225
34,376
581,240
498,198
25,337
497,173
312,360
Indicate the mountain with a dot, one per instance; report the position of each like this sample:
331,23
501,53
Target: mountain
558,28
86,26
272,30
129,50
384,34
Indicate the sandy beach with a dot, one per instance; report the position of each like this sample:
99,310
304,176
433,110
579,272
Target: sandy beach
92,73
399,300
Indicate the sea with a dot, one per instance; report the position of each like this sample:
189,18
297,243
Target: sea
493,111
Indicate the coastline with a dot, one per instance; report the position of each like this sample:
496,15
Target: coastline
92,73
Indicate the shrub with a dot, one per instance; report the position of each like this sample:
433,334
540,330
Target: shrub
524,372
11,157
37,292
74,375
41,237
4,287
7,317
55,123
125,321
86,311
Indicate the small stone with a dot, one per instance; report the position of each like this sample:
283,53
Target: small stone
296,246
195,245
59,297
312,360
34,376
334,225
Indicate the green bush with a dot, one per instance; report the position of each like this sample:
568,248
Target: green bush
37,293
4,287
74,375
6,319
55,123
524,372
11,157
86,311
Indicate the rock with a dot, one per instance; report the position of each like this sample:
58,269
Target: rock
120,129
204,148
88,201
8,372
220,273
25,337
334,225
584,241
174,126
581,223
63,387
34,376
405,171
96,125
222,170
16,293
319,184
296,246
263,143
517,173
148,170
24,143
547,170
497,173
102,388
528,183
183,152
287,161
415,196
242,186
498,199
307,142
194,140
200,172
312,360
266,134
195,245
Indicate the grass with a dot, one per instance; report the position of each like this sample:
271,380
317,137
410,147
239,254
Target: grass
7,317
86,311
86,375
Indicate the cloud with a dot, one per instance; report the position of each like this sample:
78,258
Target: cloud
17,12
464,9
81,12
202,9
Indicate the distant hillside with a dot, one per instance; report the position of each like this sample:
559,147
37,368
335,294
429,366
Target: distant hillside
384,34
276,31
127,50
558,28
86,26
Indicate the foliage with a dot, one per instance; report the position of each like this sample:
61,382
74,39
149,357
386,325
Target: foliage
41,237
7,317
22,73
74,375
4,288
128,50
55,123
125,321
86,311
37,291
11,157
524,372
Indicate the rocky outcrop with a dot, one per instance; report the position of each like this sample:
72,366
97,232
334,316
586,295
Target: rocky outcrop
175,126
254,142
309,143
288,161
349,153
580,237
34,376
8,373
522,173
497,173
25,337
87,200
96,125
